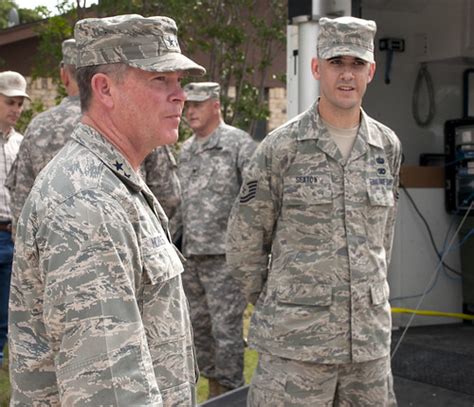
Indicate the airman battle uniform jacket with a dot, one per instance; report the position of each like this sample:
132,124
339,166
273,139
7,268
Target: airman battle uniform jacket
328,225
98,315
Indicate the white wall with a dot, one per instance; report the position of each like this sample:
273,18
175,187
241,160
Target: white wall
442,22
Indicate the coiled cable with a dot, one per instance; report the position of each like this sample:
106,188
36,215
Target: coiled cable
423,75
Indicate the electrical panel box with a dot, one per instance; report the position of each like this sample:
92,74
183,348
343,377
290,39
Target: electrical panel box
459,149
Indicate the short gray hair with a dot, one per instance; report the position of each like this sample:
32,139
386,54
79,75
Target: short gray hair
84,76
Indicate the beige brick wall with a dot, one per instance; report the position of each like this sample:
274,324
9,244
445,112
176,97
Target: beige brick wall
277,106
42,89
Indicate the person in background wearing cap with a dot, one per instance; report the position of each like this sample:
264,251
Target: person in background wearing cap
320,197
48,132
45,135
98,314
210,167
12,96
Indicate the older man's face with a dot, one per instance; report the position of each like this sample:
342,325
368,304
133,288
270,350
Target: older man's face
149,107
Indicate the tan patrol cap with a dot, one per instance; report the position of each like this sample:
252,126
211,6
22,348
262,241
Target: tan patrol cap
12,84
349,36
201,91
147,43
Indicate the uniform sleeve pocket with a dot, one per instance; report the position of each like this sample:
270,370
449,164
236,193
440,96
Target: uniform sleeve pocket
379,293
162,263
305,294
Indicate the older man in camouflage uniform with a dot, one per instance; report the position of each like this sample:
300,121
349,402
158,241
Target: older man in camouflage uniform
98,312
210,168
320,197
50,130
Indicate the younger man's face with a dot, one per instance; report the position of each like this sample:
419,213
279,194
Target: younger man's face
10,110
343,80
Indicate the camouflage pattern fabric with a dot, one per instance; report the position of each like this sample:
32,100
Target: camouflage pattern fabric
279,382
45,136
49,131
160,171
216,305
328,226
211,174
201,91
346,36
98,315
69,51
148,43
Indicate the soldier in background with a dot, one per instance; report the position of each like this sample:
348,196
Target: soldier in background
12,97
98,314
46,134
49,131
210,167
320,197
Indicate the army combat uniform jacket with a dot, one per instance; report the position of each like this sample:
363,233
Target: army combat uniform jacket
210,174
98,315
329,227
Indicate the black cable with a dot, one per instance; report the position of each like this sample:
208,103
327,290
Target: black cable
433,243
423,75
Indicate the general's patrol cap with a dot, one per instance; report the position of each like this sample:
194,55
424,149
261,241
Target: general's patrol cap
69,50
147,43
200,91
349,36
12,84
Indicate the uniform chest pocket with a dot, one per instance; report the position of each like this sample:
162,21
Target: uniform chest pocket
304,190
161,263
223,170
380,192
307,209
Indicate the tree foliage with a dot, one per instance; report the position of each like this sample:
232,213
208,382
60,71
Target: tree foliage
25,15
237,39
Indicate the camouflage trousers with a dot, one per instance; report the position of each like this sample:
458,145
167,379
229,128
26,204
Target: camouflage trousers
279,382
216,308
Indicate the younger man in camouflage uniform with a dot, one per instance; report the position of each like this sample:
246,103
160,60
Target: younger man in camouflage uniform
98,312
210,167
320,197
50,130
